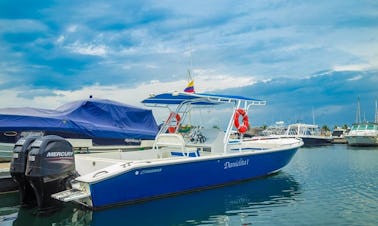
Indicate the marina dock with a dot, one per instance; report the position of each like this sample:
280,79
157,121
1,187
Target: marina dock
4,165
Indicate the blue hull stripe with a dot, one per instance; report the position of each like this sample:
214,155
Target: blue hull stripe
158,181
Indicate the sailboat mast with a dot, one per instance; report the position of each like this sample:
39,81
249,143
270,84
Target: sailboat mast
189,76
376,112
358,113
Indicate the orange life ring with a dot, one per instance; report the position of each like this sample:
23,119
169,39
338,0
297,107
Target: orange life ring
243,127
172,129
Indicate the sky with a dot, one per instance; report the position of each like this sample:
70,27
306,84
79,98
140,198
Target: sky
310,60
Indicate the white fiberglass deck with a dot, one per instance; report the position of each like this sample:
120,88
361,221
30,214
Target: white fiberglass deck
174,146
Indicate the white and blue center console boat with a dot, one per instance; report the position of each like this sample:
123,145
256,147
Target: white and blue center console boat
183,158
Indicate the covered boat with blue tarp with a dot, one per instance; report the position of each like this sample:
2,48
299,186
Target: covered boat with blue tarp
104,121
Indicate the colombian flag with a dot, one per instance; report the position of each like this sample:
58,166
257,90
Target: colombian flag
190,87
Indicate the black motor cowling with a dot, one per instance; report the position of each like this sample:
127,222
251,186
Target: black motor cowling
49,169
17,170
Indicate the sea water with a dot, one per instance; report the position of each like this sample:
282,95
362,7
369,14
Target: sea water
330,185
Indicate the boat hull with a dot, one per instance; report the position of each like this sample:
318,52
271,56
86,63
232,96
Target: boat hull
169,179
362,140
97,141
311,141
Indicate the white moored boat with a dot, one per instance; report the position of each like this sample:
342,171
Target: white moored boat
309,133
363,133
182,159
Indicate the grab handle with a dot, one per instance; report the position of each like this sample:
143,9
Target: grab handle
96,174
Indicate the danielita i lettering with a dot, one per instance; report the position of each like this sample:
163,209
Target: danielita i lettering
240,162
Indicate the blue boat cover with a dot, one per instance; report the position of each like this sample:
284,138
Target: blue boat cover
94,118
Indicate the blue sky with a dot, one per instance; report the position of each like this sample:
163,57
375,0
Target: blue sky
300,56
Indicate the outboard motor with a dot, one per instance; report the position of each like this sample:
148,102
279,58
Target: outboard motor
50,167
18,167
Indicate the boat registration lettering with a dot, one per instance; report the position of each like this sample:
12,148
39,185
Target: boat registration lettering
238,163
157,170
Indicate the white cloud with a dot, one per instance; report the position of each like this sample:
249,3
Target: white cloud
209,80
155,39
88,49
14,100
330,109
358,77
60,39
131,96
72,28
352,67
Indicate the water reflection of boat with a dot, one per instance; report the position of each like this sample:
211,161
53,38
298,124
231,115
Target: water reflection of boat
198,207
8,200
67,216
206,206
8,208
8,219
12,214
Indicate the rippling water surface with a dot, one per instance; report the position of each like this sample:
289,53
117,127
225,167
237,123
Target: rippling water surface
333,185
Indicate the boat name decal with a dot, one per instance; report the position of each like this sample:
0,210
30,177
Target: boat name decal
60,154
240,162
157,170
131,140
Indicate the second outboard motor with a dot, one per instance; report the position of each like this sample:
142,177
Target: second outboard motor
17,170
50,167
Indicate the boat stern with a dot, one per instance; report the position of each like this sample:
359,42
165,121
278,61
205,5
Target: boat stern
80,193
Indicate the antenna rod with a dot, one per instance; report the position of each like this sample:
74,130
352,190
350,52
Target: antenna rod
358,113
376,112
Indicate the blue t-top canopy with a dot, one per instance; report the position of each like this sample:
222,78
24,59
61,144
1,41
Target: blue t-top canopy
93,118
197,99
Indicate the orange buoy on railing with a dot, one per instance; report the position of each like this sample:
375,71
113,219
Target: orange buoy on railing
242,128
172,129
